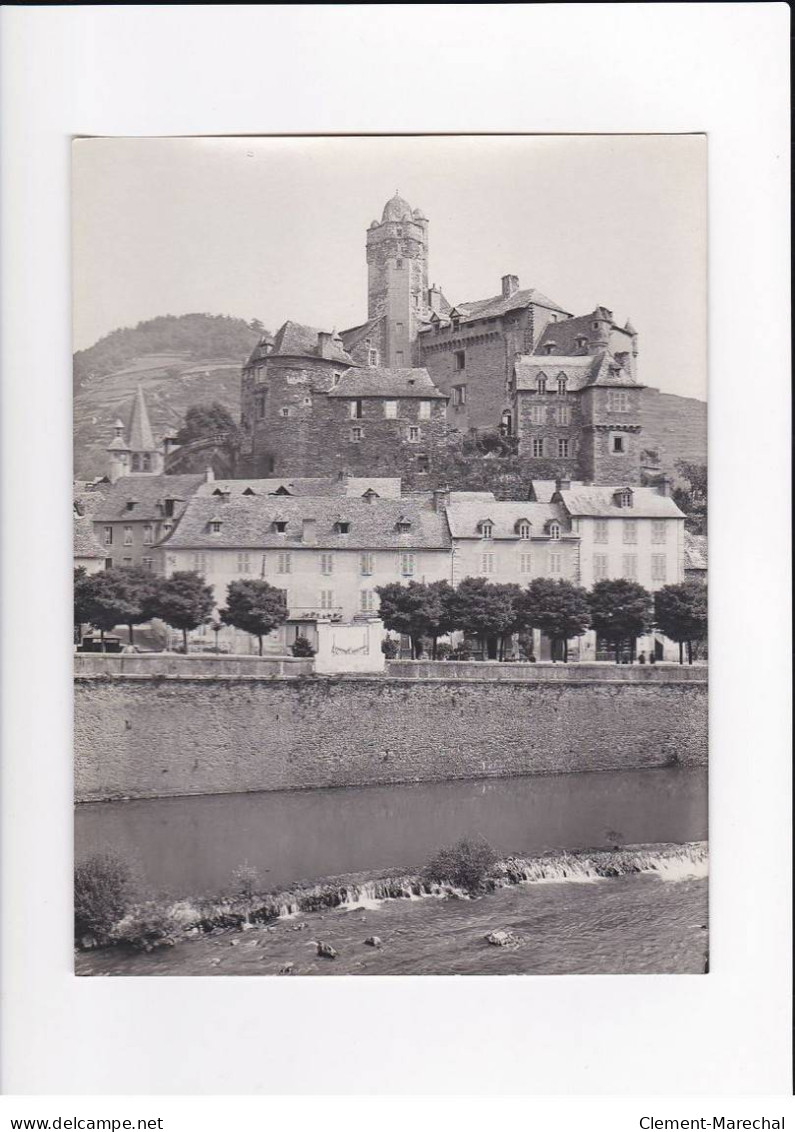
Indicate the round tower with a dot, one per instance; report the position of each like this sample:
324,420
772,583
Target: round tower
397,279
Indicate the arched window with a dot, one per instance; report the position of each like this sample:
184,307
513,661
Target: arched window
562,385
541,384
486,528
524,529
554,531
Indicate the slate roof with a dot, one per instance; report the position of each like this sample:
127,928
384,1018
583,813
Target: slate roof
297,341
85,544
566,332
463,518
581,371
247,522
378,381
599,502
352,486
139,430
261,350
695,552
497,304
543,490
147,491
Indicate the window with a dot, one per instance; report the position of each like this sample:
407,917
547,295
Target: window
399,327
342,527
285,411
554,531
215,527
390,410
459,360
355,410
284,563
538,446
561,386
367,601
400,231
399,359
146,563
600,531
200,563
459,395
555,562
618,444
403,525
399,264
538,414
629,566
367,563
146,461
243,563
425,410
406,564
130,505
541,385
335,378
261,406
168,528
108,563
581,341
525,564
524,529
108,536
280,526
623,498
126,562
658,564
372,357
618,401
356,434
549,348
563,448
326,563
423,463
659,530
414,433
630,530
486,529
487,563
327,599
599,566
563,415
128,536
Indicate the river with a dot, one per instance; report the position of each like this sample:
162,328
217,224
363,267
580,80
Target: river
193,845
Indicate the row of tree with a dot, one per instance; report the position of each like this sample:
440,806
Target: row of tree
618,610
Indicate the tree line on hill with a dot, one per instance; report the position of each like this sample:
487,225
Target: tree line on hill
619,610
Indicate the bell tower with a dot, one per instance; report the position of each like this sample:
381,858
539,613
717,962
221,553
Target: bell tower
397,280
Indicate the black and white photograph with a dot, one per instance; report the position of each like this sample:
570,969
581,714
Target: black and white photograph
390,555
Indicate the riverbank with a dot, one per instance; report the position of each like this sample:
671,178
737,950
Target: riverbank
641,909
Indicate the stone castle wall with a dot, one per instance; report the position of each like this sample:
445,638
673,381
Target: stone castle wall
138,737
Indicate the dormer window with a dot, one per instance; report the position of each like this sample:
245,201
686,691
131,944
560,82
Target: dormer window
371,495
541,384
248,491
549,347
215,526
523,529
486,528
280,526
403,525
280,490
562,385
335,378
554,531
623,498
131,504
581,341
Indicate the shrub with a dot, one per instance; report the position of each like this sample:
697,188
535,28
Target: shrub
301,647
104,890
443,650
150,925
465,864
390,647
461,652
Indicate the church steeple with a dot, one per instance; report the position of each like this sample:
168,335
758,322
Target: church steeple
136,452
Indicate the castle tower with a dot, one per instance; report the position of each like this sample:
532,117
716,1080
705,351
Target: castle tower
397,280
137,453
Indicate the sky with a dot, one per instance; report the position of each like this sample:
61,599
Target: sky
274,229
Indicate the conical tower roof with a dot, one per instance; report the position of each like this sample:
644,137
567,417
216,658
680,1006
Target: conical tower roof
139,430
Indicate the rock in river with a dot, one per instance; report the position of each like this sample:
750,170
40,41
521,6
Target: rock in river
326,950
373,941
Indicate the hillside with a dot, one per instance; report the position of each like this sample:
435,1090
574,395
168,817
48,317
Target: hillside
676,427
178,361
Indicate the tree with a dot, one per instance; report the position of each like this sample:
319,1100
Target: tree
692,499
110,599
184,602
202,421
81,607
141,587
680,612
254,606
621,611
558,608
418,609
485,610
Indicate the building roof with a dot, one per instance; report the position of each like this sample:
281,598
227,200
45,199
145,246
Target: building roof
599,501
247,523
84,542
147,491
565,333
378,381
139,430
543,490
398,209
463,518
297,341
695,552
581,371
333,486
261,350
498,304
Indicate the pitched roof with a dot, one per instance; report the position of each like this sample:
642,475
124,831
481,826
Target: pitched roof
598,501
139,430
148,491
498,304
261,350
543,490
695,551
566,332
463,518
351,486
247,522
581,371
85,544
378,381
297,341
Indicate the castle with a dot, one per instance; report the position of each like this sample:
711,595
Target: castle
382,396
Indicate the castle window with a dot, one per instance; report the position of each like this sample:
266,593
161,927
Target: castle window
553,318
555,562
168,528
658,531
524,529
541,384
537,414
630,530
342,527
280,526
425,410
595,325
399,264
658,564
623,498
367,563
243,563
108,536
599,567
399,327
487,563
538,446
146,563
459,395
335,378
563,448
355,410
549,348
390,410
148,534
261,406
372,357
629,566
399,359
407,564
128,536
400,231
284,563
146,462
423,463
618,444
561,386
356,434
459,360
326,563
414,434
600,531
126,563
136,462
554,531
581,341
563,415
286,410
618,401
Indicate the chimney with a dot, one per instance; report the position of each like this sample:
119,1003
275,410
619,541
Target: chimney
324,344
226,495
664,486
562,485
309,532
510,284
209,476
441,497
